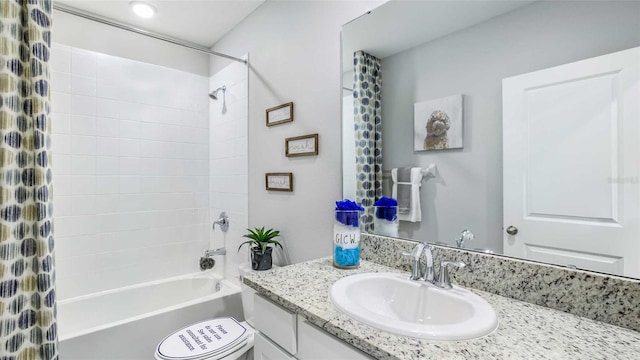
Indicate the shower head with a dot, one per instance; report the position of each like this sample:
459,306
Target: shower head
214,94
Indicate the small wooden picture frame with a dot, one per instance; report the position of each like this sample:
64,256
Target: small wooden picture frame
278,181
280,114
306,145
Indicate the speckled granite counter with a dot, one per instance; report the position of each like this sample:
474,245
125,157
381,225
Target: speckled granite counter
611,299
526,331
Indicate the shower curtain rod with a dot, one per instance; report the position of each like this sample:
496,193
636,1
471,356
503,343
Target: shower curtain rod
123,26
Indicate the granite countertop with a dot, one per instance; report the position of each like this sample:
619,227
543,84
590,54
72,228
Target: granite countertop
525,331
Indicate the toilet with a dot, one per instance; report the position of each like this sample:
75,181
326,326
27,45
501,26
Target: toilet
222,338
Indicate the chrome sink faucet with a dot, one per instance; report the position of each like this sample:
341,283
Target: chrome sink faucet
416,254
428,274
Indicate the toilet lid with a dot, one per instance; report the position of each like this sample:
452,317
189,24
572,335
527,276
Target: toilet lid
203,339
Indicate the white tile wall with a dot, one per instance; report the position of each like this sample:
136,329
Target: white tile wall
229,161
130,150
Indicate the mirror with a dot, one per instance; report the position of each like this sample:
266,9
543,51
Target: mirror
435,49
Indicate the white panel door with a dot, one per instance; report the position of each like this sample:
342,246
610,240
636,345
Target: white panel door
571,153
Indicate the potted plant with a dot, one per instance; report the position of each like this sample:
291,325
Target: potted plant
259,241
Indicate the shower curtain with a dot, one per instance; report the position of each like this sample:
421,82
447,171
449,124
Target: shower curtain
27,296
367,83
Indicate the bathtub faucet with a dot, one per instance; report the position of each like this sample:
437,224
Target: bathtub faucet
207,262
218,251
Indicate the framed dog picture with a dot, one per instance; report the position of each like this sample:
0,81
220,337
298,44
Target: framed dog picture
437,124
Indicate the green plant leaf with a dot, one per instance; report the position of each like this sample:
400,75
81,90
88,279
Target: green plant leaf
261,239
263,247
250,242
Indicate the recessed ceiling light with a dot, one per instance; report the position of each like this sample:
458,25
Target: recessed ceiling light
143,9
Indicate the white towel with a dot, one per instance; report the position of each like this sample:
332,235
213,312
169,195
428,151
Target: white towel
415,212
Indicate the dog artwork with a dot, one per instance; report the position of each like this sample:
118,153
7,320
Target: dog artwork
438,124
437,127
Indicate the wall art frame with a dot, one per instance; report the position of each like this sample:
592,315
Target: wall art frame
438,124
279,114
305,145
278,181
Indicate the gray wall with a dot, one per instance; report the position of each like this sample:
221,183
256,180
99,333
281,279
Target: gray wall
294,53
468,190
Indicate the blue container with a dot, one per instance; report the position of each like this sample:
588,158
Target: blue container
346,239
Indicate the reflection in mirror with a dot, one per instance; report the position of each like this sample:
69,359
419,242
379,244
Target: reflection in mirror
549,124
366,125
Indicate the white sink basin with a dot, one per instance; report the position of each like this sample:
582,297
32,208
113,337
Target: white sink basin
392,302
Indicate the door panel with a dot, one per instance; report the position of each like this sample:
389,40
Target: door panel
595,262
571,160
572,124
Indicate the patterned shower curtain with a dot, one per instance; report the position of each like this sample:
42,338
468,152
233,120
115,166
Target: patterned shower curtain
27,296
367,86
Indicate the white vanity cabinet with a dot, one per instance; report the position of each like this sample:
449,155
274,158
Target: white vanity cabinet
265,349
283,335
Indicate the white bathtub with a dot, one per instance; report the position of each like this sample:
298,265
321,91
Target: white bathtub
128,323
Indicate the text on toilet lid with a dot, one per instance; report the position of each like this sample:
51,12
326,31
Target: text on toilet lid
205,336
202,337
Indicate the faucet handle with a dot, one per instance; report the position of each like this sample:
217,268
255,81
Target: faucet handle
223,221
443,279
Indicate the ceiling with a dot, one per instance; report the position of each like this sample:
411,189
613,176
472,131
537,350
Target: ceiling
400,25
202,22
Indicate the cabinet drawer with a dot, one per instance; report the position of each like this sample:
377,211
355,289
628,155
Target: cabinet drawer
315,344
276,323
263,349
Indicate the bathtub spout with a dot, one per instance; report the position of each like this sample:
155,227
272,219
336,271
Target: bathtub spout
218,251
